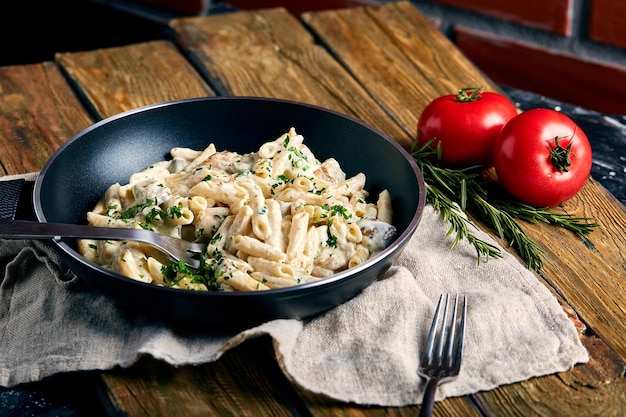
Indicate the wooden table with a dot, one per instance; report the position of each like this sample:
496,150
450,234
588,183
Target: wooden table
381,64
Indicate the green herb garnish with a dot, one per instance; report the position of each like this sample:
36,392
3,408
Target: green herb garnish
451,192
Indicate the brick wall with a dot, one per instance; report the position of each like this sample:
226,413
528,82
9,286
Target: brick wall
569,50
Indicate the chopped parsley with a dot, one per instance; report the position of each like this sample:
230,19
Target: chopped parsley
175,211
175,272
297,158
133,211
216,238
339,210
154,215
331,241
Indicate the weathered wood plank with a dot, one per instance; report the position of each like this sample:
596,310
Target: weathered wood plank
269,53
397,56
152,388
38,113
320,406
258,387
606,257
590,273
592,284
112,81
115,80
597,388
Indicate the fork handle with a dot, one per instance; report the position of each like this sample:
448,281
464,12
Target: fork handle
428,402
25,229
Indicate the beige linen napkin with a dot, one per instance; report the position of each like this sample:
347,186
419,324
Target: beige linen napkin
364,351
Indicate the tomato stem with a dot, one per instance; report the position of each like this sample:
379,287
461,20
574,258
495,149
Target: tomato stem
468,94
560,156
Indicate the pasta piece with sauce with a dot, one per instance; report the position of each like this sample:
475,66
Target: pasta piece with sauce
272,218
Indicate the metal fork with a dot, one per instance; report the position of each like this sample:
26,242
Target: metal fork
178,249
441,363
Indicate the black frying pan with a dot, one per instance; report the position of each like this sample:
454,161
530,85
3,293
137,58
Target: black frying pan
77,175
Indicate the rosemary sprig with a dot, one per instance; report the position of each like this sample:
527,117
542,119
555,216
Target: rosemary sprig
470,191
459,224
509,230
579,225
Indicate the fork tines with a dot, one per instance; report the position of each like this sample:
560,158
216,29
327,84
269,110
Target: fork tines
443,365
448,332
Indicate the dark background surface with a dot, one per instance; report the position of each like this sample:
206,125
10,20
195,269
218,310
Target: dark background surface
32,31
74,25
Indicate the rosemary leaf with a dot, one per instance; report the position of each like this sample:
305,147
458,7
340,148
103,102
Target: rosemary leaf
580,225
452,191
509,230
459,224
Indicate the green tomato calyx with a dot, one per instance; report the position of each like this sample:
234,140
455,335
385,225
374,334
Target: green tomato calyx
468,94
560,156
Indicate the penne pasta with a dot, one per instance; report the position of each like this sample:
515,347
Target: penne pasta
384,208
277,269
255,247
272,218
361,254
297,235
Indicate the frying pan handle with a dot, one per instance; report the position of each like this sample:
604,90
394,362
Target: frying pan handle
9,197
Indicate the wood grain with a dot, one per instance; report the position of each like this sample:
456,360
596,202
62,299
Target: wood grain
590,273
593,284
38,113
115,80
257,65
269,53
344,62
110,84
258,388
396,55
603,264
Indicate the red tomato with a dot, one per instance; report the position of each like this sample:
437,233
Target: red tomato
542,157
465,126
